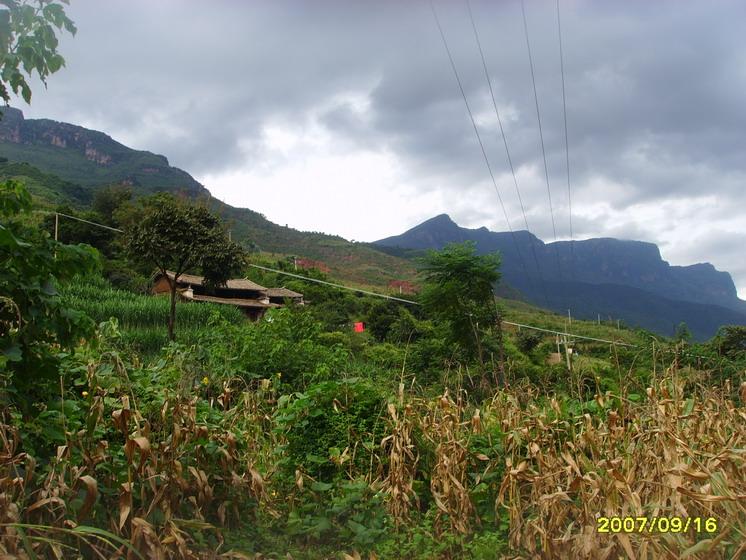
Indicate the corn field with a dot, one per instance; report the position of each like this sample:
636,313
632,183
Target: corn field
677,454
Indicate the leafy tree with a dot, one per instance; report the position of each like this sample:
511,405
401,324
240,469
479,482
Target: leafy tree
458,289
731,341
380,317
176,236
34,324
527,340
28,43
107,201
682,334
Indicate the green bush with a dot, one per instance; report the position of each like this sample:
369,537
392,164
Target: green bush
331,428
286,342
347,512
385,355
527,340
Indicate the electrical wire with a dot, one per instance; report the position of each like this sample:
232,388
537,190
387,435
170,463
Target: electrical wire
567,149
479,138
333,284
402,300
541,134
507,151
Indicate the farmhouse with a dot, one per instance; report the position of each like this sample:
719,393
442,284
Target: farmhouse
248,296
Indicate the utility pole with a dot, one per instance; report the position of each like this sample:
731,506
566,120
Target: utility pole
599,318
569,317
500,347
56,226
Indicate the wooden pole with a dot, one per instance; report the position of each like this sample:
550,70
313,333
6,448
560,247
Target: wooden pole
501,347
56,226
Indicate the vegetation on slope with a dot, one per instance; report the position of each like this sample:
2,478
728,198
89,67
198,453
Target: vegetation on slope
297,437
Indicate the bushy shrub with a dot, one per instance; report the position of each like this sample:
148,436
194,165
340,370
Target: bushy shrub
385,355
348,512
527,340
287,343
331,428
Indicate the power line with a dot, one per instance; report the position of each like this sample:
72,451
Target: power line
614,342
570,334
567,149
402,300
541,133
507,151
479,137
349,288
333,285
80,220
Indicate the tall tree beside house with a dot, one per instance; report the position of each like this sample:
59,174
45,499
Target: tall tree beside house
175,235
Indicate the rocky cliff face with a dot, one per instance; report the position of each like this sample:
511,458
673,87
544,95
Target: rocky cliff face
592,262
94,146
86,157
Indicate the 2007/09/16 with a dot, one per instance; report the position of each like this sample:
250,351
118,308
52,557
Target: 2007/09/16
646,524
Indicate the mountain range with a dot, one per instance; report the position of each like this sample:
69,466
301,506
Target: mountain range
64,163
595,278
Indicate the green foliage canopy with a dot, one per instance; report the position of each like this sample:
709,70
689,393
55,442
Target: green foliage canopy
458,289
731,341
34,324
28,43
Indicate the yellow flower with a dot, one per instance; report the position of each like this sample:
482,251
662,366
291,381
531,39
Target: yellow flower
85,393
205,380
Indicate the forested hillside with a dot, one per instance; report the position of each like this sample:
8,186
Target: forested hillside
66,164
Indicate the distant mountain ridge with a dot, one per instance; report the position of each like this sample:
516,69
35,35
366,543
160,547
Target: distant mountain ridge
572,268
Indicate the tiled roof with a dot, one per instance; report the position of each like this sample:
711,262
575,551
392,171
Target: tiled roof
283,292
233,284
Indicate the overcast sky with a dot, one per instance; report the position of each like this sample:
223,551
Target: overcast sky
345,117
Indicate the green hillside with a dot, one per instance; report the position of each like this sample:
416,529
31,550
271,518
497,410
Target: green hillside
65,164
46,188
353,262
